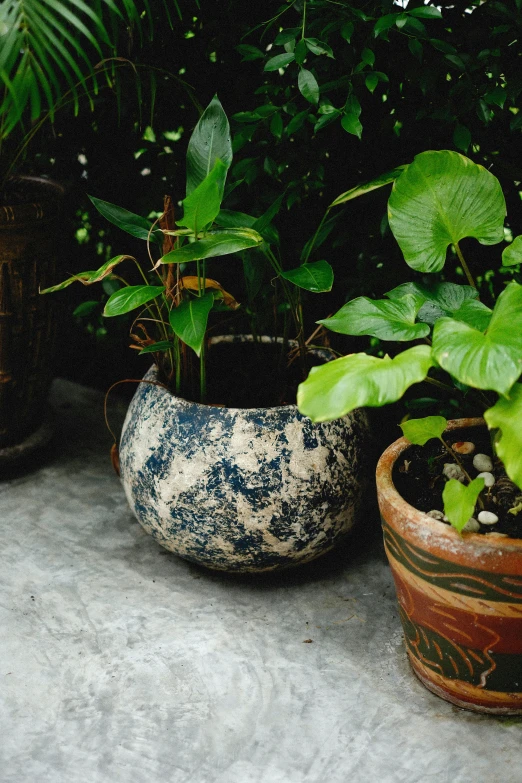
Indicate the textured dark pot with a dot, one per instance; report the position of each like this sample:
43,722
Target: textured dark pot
240,490
460,598
28,321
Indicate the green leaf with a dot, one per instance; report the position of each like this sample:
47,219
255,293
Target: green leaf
426,12
296,122
474,313
189,320
209,141
497,96
201,206
228,218
317,277
279,61
276,126
416,48
368,57
308,86
287,35
300,52
420,431
506,416
459,500
371,81
462,137
133,224
440,299
87,278
262,223
318,47
387,320
338,387
384,23
216,243
347,31
485,361
352,124
367,187
438,200
159,347
512,254
131,297
85,309
250,52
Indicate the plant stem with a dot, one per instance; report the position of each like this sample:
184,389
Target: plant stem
457,460
464,265
314,238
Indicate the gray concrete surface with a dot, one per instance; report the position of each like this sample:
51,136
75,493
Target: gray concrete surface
120,663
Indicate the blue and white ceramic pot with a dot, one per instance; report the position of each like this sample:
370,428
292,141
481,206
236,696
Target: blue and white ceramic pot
240,490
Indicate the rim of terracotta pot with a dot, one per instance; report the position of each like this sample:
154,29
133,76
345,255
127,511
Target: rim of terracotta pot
232,338
45,207
389,494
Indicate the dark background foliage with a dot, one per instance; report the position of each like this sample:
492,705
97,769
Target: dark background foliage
372,87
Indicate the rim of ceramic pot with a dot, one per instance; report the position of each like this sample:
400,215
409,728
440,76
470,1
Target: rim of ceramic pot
390,495
45,207
152,374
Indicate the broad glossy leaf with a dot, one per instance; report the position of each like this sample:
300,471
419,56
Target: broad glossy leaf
367,187
159,347
228,218
420,431
387,320
189,320
318,47
308,86
513,253
192,282
316,277
209,141
460,500
216,243
440,299
475,314
87,278
131,297
506,416
133,224
485,361
279,61
352,124
438,200
426,12
201,206
336,388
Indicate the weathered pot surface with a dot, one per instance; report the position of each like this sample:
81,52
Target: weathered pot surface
241,490
460,599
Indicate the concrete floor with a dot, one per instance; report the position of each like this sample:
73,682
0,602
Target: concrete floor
120,663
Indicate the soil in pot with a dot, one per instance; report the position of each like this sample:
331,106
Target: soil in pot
419,478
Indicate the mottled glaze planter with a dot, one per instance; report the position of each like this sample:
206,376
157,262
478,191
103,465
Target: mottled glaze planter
460,599
240,490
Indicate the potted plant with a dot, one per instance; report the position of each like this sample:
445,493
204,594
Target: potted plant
452,512
215,462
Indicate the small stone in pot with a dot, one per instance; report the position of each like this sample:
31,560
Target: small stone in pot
453,471
482,463
436,514
487,518
471,526
463,447
489,478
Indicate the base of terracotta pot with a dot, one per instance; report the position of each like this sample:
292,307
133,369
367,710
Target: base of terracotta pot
13,455
466,696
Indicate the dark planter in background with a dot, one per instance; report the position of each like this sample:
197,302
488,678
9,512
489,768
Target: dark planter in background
28,321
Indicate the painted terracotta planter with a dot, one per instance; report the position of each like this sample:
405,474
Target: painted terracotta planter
240,490
460,599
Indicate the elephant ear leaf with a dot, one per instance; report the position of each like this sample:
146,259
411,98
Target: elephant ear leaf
438,200
210,140
506,416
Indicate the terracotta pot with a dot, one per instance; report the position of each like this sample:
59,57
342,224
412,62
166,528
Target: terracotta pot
460,599
241,489
28,321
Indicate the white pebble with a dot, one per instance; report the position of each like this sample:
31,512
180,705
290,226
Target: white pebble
489,478
463,447
453,471
436,514
482,462
498,535
471,526
487,518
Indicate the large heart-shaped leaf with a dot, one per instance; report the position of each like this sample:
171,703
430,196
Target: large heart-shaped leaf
216,243
387,320
438,200
475,314
133,224
460,500
440,299
209,141
513,253
367,187
87,278
229,218
201,206
486,361
506,415
316,277
336,388
189,320
126,299
420,431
